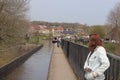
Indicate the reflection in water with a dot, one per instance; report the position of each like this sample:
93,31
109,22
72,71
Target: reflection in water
35,68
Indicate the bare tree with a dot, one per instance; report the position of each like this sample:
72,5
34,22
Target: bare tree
114,22
13,22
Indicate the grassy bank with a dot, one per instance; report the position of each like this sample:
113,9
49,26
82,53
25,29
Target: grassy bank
8,54
110,47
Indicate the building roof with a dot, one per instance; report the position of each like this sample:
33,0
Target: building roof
60,28
68,32
35,27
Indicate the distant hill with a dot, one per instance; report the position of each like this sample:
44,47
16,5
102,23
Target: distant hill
64,25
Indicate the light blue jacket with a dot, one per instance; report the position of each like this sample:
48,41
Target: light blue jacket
98,62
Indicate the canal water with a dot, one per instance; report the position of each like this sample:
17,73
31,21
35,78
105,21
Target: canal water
36,67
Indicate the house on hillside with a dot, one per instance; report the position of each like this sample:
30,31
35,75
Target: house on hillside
40,29
68,33
57,31
34,29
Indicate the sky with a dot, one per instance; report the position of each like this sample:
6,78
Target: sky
90,12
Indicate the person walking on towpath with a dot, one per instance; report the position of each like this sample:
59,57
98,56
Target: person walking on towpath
58,41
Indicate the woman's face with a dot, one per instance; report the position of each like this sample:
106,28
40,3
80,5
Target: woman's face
94,40
91,41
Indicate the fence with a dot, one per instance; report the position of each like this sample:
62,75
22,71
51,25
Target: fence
76,55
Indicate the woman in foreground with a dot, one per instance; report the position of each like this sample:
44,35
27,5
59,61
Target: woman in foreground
97,61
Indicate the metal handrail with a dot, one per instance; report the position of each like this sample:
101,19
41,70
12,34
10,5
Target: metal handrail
76,55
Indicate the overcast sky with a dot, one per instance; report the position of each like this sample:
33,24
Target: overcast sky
90,12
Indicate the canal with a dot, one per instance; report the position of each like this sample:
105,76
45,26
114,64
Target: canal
36,67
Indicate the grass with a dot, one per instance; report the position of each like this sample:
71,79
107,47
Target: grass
9,53
6,55
110,47
38,39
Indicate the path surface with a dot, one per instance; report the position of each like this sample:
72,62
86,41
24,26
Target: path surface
59,66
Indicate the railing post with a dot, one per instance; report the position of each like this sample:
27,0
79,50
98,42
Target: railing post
67,54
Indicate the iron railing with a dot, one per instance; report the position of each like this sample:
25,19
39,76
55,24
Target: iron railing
76,55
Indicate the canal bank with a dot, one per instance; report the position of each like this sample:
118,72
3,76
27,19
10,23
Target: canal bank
35,68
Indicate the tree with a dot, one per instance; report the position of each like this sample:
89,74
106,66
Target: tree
98,30
114,22
13,22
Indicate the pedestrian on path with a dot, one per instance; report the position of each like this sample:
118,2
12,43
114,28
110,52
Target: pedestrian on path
97,61
58,41
54,41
